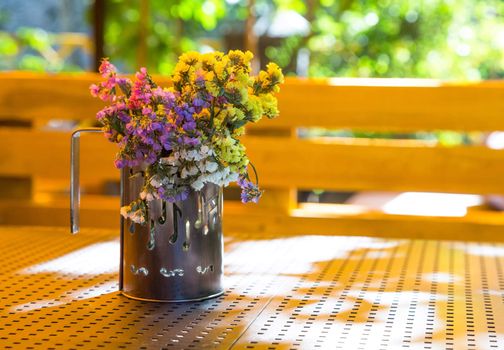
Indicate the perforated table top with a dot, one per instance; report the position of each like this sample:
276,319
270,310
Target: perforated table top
302,292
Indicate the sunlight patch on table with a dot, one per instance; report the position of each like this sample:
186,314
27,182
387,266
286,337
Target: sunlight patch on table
95,259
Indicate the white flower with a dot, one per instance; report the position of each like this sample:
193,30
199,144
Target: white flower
211,166
193,154
193,170
156,181
198,184
232,178
183,173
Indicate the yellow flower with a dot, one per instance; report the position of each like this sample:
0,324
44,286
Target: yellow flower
217,55
212,88
204,114
275,73
236,114
269,105
239,132
182,68
254,107
238,57
219,117
209,76
160,110
220,69
239,76
268,81
190,58
208,60
231,152
238,90
176,78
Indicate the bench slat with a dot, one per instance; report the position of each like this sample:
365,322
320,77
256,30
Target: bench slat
285,163
377,105
103,212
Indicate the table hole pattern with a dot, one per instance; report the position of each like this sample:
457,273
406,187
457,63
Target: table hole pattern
299,292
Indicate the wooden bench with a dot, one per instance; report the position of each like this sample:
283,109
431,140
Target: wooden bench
34,160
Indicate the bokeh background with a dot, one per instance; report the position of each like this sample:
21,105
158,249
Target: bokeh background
444,39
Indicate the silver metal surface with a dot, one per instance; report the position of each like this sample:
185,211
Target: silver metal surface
75,177
177,254
303,292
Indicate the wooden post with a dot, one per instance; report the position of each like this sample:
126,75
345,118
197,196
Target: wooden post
251,40
143,26
98,32
281,200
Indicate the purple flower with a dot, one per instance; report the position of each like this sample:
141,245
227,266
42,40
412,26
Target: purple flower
250,192
120,163
146,111
156,147
161,191
124,117
166,98
198,102
190,141
156,126
151,157
165,139
189,126
178,197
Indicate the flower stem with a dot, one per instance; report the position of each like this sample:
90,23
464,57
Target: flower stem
255,173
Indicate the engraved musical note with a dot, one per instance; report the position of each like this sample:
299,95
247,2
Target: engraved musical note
204,270
139,270
152,236
171,273
176,210
199,220
162,218
212,213
187,244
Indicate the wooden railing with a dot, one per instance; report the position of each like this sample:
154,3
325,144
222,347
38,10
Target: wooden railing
34,162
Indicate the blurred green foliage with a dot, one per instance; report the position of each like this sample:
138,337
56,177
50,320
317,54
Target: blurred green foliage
32,49
173,27
446,39
452,39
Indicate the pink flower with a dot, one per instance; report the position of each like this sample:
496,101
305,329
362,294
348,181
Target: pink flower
106,68
142,74
94,89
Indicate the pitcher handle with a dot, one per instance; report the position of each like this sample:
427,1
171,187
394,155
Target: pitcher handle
74,177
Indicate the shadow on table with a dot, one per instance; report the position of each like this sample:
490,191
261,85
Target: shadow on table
302,292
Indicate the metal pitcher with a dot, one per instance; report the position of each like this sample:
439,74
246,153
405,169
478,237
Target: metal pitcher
177,254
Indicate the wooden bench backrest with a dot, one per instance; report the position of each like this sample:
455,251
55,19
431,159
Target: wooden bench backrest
349,164
285,161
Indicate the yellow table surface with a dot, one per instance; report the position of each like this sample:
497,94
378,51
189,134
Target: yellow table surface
59,291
